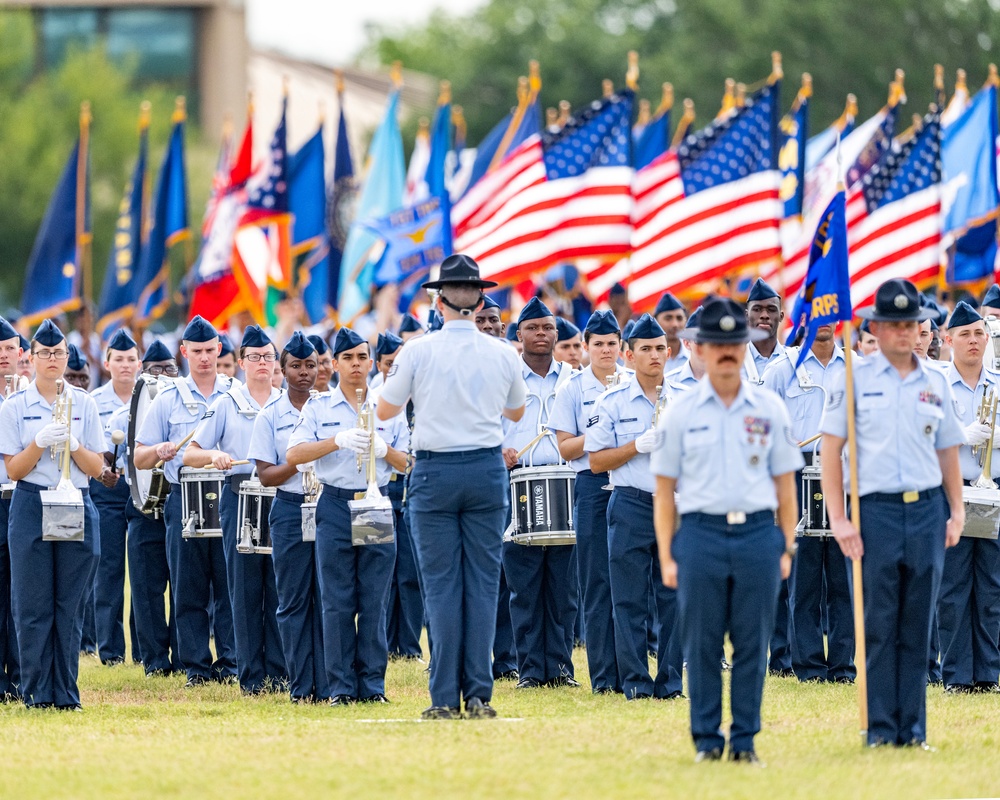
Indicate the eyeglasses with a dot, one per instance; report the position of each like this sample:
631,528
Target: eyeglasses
253,358
170,371
46,355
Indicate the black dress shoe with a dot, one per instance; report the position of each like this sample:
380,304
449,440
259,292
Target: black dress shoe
715,754
878,741
41,706
74,707
375,698
509,675
847,680
441,712
162,672
195,680
113,661
478,709
678,695
781,673
528,683
920,745
746,757
958,688
983,687
604,690
563,680
341,700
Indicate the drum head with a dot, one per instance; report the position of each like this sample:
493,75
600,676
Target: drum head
145,390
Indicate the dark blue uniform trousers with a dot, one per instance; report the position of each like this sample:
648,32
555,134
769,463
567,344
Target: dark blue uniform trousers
593,563
728,578
300,615
88,638
969,613
781,636
901,573
634,568
458,504
405,617
10,668
198,570
260,661
354,588
49,585
149,579
504,654
110,584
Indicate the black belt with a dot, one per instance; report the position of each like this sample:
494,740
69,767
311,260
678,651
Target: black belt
902,497
290,497
586,473
636,494
421,455
347,494
34,488
732,519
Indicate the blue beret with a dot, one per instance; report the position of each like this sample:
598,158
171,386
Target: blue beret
602,323
964,314
254,336
25,344
319,343
533,309
76,360
388,343
7,331
693,319
435,321
120,341
346,340
157,352
410,324
48,335
617,289
992,297
760,291
565,330
299,346
199,329
489,302
627,331
646,328
227,345
667,303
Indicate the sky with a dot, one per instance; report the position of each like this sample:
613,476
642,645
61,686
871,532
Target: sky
333,31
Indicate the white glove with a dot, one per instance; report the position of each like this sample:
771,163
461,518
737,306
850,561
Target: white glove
353,439
646,442
74,443
381,448
977,433
52,434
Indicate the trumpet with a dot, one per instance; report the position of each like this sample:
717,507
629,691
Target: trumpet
661,403
986,414
613,379
62,412
14,383
366,422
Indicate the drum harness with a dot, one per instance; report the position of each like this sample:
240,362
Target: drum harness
544,409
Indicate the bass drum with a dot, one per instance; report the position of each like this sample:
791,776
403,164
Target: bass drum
149,487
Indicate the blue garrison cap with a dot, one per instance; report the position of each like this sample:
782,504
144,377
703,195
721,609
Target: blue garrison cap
627,332
511,334
694,318
319,343
992,297
489,302
227,345
964,314
533,309
25,344
865,326
722,321
617,289
199,329
667,303
157,352
602,323
7,331
410,324
120,341
388,343
48,335
346,340
565,330
760,291
646,328
299,346
254,336
76,360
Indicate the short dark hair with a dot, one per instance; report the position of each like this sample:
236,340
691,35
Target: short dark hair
588,335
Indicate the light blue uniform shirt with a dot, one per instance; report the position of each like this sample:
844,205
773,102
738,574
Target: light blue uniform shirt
224,427
726,459
967,403
759,360
325,416
901,424
805,406
118,421
574,406
107,401
461,381
271,432
681,379
169,420
541,396
3,465
25,413
677,360
623,414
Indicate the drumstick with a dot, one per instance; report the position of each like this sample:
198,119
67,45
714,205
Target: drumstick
811,439
532,443
182,442
234,463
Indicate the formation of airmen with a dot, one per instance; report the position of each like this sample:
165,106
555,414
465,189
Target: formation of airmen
649,492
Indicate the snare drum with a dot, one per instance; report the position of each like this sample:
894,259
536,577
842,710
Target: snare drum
541,502
982,512
201,502
814,521
253,512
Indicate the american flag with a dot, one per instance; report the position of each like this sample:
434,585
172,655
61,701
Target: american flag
709,206
557,196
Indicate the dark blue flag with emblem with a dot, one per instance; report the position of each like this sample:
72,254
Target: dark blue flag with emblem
792,156
310,242
825,298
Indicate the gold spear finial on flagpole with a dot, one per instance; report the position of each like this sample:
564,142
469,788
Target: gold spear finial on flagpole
565,112
632,73
666,99
607,88
145,111
180,109
338,82
991,78
444,95
741,95
684,125
777,72
644,114
396,74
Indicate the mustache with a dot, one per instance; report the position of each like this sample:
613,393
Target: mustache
730,359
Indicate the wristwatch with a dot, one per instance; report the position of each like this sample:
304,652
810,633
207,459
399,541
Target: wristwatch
792,549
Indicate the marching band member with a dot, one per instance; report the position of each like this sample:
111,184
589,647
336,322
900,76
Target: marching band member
197,566
542,580
25,365
489,320
991,302
693,369
49,580
728,557
620,435
226,365
461,384
296,573
867,343
353,580
77,369
819,567
410,327
569,344
223,435
670,315
572,411
111,497
324,362
969,600
908,437
10,670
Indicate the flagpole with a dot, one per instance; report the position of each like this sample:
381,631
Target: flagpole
83,261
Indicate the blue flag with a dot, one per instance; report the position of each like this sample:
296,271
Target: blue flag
121,276
825,298
530,123
310,243
52,278
414,242
652,141
340,208
792,157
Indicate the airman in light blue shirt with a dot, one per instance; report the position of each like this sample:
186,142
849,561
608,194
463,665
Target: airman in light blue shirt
271,431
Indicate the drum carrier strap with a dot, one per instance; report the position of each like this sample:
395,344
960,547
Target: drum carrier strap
751,366
801,374
244,409
187,397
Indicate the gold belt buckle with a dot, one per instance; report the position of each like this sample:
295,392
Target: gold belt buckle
393,477
736,518
911,497
359,495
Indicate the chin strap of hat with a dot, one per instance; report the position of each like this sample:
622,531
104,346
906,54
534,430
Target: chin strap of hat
465,311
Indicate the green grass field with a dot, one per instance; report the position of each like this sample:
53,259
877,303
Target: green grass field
141,737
